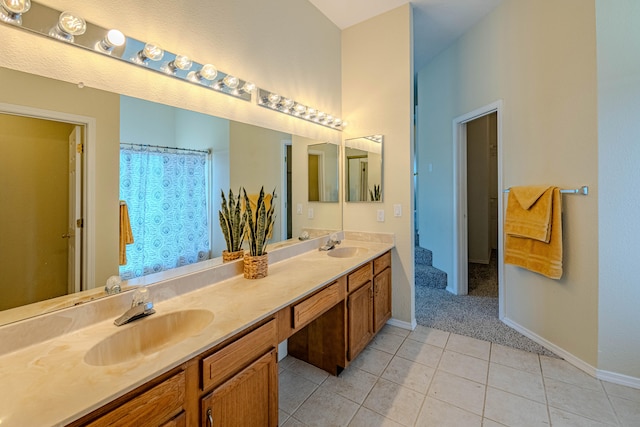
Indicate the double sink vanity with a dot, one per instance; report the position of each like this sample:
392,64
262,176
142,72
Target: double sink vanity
208,356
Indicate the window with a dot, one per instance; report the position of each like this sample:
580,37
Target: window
166,194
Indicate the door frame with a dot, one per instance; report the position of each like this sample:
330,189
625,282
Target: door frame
284,190
88,125
459,283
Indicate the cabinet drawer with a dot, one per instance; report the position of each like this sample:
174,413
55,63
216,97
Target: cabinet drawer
228,361
151,407
382,262
315,305
359,277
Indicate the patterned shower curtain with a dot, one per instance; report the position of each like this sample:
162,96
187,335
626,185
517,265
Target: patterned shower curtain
166,192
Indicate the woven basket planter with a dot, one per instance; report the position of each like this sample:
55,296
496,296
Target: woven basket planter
231,256
255,267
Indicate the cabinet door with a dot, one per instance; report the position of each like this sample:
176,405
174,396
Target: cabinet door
249,398
381,298
360,319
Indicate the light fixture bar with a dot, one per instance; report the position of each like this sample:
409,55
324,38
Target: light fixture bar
276,102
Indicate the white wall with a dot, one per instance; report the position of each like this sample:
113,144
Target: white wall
540,59
619,203
377,93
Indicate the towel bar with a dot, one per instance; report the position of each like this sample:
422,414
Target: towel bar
584,190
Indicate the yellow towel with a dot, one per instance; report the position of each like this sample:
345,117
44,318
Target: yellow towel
253,200
536,255
529,212
126,236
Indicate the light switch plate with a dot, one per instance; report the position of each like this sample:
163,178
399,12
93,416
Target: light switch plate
397,210
299,209
310,213
380,215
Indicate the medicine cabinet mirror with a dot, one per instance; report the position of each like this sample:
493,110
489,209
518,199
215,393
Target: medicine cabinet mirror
322,167
363,169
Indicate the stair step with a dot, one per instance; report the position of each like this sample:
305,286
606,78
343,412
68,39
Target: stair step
430,277
423,256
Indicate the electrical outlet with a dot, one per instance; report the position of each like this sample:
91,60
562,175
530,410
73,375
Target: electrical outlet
380,215
397,210
299,209
310,213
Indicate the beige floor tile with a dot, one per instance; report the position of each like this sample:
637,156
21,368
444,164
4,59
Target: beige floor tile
486,422
560,418
560,369
515,358
622,391
431,336
353,383
436,413
284,363
305,370
628,411
512,410
460,392
395,402
464,366
522,383
415,351
324,408
386,341
292,422
395,330
282,417
367,418
469,346
293,390
372,360
412,375
577,400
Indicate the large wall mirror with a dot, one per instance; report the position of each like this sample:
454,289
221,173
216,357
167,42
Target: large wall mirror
363,169
323,172
61,154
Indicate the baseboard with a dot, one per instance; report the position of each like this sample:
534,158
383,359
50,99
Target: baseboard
616,378
575,361
402,324
479,261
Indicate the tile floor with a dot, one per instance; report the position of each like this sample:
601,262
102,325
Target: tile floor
433,378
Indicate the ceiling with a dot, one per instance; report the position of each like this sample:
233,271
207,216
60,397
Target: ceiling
436,23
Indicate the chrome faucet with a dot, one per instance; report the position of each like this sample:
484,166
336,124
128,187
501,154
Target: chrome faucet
331,243
140,307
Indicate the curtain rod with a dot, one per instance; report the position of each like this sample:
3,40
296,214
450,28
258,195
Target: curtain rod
159,147
584,190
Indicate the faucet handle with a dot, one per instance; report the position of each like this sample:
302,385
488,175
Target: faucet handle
140,296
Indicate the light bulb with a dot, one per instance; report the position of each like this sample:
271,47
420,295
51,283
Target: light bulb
69,25
11,10
321,116
182,62
208,71
329,119
231,81
337,122
152,51
300,109
311,112
274,98
114,38
248,87
287,103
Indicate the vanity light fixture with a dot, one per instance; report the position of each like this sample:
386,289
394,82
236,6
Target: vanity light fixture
114,38
208,72
284,105
181,62
11,10
68,26
248,87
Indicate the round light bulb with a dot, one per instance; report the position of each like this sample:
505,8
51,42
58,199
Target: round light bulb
182,62
153,52
321,116
274,98
337,122
16,6
311,112
287,103
231,81
248,87
300,109
208,71
71,24
115,38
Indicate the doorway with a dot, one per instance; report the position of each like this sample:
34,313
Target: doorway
41,248
478,205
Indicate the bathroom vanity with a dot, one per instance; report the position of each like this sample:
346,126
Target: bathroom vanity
222,371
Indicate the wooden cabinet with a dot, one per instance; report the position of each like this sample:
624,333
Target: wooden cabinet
381,291
360,319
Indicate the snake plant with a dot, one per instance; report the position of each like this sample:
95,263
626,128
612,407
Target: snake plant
232,221
259,223
376,196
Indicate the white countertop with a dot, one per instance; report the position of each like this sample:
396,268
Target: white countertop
49,383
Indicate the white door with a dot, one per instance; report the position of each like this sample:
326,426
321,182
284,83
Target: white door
74,232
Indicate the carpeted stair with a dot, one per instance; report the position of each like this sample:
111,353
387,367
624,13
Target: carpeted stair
426,274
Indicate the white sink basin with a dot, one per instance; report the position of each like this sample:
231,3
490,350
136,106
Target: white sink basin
147,336
346,252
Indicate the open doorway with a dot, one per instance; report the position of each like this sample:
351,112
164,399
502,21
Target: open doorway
478,205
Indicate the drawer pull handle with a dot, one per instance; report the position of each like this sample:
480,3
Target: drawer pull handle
210,417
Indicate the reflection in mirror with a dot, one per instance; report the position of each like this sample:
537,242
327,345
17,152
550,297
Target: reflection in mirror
363,169
322,167
239,155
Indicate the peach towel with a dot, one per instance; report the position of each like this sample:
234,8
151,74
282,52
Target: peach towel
126,236
533,230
